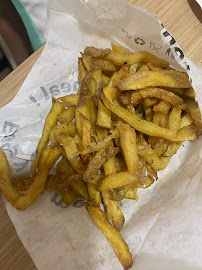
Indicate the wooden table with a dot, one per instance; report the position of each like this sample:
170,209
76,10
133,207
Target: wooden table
181,18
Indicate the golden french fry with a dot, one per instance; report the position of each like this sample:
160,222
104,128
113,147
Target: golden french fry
159,93
162,107
160,119
143,67
98,160
47,159
67,116
94,194
70,146
8,190
70,99
50,123
82,72
186,120
103,116
86,131
174,118
172,149
144,79
113,211
58,133
161,148
118,194
105,79
128,144
125,97
120,75
153,160
113,236
117,49
117,180
64,167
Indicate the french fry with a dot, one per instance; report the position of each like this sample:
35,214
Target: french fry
60,132
160,119
50,123
94,194
132,194
128,144
117,180
144,79
103,116
68,195
149,102
159,93
174,119
186,120
193,110
47,159
113,236
172,149
98,160
67,116
80,188
70,99
162,107
148,114
118,49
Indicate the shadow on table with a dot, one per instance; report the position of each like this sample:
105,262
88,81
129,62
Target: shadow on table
196,9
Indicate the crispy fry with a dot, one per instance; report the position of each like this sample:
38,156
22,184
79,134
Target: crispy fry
162,107
103,116
117,180
193,110
70,99
143,79
186,120
68,195
174,119
47,159
98,160
79,187
172,149
128,145
60,132
118,49
113,236
51,121
94,194
159,93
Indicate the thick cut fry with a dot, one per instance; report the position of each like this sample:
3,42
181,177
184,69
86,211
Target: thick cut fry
105,79
138,57
121,74
161,148
143,67
67,116
186,120
113,211
58,133
47,159
70,146
128,145
174,119
144,79
50,123
162,107
125,97
98,160
64,166
153,160
8,190
160,119
70,99
94,195
172,149
159,93
84,102
118,49
146,127
86,130
117,180
113,236
103,116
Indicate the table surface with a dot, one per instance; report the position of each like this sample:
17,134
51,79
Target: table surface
183,18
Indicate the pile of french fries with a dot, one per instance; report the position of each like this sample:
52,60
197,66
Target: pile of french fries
130,115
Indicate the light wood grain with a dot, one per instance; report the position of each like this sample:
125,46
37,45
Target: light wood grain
181,18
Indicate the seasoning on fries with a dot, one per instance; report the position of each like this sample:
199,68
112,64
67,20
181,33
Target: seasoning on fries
131,114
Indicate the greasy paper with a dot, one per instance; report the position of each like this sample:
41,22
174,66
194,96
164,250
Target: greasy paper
163,230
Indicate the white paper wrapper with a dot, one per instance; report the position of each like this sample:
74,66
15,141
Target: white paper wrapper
163,230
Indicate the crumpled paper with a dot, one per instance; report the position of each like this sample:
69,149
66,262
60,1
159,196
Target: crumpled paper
163,230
